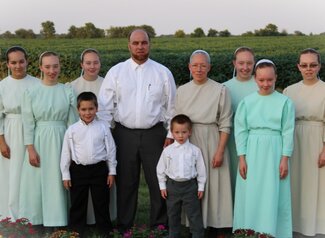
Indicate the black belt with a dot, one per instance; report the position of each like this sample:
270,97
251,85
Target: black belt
181,182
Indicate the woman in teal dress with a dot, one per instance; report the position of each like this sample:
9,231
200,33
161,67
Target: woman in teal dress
11,130
241,85
264,127
47,110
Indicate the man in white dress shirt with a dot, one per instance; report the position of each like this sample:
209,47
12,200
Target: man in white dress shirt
138,95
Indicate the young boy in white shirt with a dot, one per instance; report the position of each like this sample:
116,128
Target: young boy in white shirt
181,176
88,161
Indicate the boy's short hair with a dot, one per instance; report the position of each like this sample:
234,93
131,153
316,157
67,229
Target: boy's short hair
181,119
87,96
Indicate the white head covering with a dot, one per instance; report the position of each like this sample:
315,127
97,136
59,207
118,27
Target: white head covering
264,61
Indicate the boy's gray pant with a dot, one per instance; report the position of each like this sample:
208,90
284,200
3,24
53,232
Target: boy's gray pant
184,194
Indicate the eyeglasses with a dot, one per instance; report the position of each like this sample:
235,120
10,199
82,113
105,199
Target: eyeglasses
311,66
201,66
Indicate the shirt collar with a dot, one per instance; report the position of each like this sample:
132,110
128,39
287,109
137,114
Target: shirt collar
134,65
176,144
83,123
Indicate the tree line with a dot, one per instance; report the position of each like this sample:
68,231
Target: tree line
89,30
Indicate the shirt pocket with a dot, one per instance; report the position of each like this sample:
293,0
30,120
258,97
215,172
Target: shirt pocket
155,92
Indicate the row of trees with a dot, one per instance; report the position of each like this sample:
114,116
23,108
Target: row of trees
199,32
269,30
89,30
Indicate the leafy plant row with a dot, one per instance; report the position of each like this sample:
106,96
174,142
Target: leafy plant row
173,53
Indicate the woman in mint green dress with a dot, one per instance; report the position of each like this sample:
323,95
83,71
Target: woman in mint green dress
47,110
264,127
11,130
241,85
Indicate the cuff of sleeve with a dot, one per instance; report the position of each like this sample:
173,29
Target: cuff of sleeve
66,176
225,130
162,185
112,171
241,152
287,153
201,187
28,141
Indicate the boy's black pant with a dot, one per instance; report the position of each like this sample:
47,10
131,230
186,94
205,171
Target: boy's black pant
184,194
83,178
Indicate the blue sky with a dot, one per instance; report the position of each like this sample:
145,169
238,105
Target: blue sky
166,16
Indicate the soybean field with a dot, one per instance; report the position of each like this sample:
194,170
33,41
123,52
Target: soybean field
173,53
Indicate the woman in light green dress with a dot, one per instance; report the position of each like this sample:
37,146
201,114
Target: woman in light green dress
241,85
11,130
47,110
264,142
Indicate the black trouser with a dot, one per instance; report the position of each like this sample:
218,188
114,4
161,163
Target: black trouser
83,178
184,194
136,147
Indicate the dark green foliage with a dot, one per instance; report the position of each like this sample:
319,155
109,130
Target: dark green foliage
212,33
224,33
198,32
180,34
174,53
87,31
25,34
123,31
48,29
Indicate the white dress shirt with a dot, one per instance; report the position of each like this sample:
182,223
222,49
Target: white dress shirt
86,145
181,162
137,96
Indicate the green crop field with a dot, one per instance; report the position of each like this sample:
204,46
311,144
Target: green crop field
173,53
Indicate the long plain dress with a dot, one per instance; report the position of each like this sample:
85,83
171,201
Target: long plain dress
238,90
46,111
82,85
264,128
209,107
307,180
11,91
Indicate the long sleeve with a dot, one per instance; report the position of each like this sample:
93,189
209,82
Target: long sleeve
161,171
73,115
66,157
2,115
170,95
201,171
107,98
225,111
241,129
287,124
111,153
28,119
